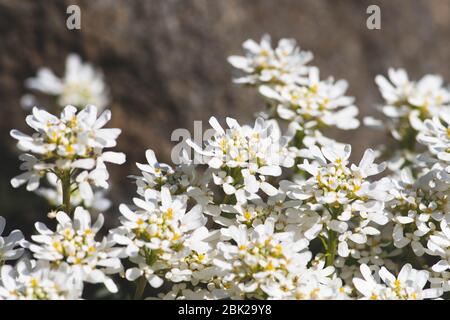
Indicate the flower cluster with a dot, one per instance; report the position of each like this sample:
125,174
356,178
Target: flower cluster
250,212
35,280
81,85
294,91
263,65
351,206
163,240
71,148
243,158
260,263
63,260
408,285
75,246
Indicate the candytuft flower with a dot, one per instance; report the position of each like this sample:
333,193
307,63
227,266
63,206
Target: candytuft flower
36,280
263,64
74,243
81,84
9,244
72,147
409,285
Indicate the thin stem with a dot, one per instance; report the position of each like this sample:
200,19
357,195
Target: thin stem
140,288
332,240
331,248
66,191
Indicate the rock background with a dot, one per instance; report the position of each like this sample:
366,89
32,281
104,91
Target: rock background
165,63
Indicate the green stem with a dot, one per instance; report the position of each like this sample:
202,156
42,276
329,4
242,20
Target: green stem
331,248
332,240
140,287
66,191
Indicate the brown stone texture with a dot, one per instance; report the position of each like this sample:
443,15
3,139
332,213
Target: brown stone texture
165,63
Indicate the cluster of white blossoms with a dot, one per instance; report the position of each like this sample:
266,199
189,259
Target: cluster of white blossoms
81,85
383,285
407,105
75,246
262,64
435,134
70,148
418,119
36,280
63,260
294,91
351,206
162,239
249,212
242,159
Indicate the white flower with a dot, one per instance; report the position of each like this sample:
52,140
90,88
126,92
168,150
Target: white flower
418,206
81,84
314,102
37,280
67,146
400,89
263,64
436,136
427,95
334,181
409,285
74,243
409,103
162,239
9,244
258,259
439,245
352,205
243,157
181,180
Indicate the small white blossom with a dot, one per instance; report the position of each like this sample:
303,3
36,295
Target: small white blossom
263,64
74,243
9,244
164,240
244,158
37,280
81,84
258,259
71,146
314,102
408,285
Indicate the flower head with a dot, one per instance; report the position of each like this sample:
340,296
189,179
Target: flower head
70,146
243,157
314,103
81,84
408,285
37,280
74,243
257,260
264,65
162,239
